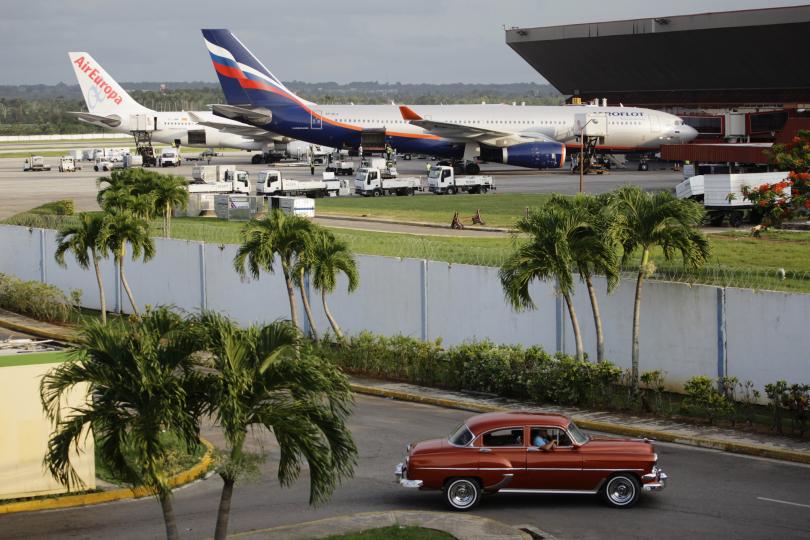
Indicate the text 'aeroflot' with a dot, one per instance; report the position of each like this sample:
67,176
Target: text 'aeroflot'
525,136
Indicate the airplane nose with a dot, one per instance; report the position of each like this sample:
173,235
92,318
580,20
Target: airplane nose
688,133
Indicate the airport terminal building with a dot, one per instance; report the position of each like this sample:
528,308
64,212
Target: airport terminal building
738,77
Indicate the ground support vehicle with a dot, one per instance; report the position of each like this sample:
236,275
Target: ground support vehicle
294,206
370,182
68,164
168,157
341,167
35,163
530,453
722,197
219,179
443,179
270,182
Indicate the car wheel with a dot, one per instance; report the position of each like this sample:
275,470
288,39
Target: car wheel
377,193
622,490
451,191
410,191
463,493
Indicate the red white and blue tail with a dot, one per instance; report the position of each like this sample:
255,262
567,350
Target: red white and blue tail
244,79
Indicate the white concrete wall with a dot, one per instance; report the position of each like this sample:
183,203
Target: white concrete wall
72,137
766,332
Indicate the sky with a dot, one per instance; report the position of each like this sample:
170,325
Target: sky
412,41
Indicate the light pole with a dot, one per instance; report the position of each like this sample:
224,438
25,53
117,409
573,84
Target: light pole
582,156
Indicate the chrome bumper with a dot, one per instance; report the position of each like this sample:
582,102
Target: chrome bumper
402,477
655,481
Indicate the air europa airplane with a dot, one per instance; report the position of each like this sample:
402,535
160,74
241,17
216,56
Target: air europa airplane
525,136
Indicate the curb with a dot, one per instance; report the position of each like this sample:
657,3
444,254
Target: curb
72,501
616,429
411,223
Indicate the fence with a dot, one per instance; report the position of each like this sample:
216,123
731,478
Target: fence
686,330
58,137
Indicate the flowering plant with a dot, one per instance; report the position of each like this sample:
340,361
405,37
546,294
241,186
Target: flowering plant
781,201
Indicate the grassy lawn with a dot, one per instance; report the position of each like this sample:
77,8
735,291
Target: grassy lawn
394,533
498,210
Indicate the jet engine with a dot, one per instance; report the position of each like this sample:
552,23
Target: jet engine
533,155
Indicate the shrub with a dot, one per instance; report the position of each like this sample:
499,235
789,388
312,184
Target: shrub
703,397
794,398
777,397
652,384
38,300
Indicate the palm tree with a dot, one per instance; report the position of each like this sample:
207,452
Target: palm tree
83,240
299,278
122,227
263,239
169,192
259,379
129,189
140,382
329,257
648,220
594,250
545,255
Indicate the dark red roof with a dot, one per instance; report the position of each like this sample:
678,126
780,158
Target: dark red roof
485,422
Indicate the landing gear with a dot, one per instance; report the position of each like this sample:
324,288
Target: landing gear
472,168
257,159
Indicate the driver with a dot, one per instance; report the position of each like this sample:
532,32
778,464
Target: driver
544,441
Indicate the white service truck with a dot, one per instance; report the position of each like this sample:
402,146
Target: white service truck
341,167
168,157
721,194
218,179
35,163
270,182
68,164
442,179
371,182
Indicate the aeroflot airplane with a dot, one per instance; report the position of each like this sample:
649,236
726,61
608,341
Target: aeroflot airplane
525,136
110,106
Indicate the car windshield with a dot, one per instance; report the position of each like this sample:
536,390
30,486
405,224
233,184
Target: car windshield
576,434
461,436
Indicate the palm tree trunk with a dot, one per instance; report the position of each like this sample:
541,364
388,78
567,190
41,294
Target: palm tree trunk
329,316
168,515
125,284
645,259
167,223
308,308
291,296
224,511
597,320
575,324
101,299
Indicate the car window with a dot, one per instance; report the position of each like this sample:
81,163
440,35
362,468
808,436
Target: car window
461,436
504,437
576,433
550,434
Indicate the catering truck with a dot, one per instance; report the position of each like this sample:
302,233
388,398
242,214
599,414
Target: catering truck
442,179
270,182
218,179
373,182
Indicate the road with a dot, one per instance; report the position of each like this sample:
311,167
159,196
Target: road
20,191
711,494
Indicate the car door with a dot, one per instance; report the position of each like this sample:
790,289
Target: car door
557,469
502,452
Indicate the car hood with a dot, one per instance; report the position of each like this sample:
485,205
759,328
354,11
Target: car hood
429,447
618,445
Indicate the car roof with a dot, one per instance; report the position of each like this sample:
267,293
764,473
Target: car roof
485,422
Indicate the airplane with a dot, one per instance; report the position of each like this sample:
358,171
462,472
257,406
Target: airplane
111,107
535,137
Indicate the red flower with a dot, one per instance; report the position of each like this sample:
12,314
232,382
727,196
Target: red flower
807,203
763,203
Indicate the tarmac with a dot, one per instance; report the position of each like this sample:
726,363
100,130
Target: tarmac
458,525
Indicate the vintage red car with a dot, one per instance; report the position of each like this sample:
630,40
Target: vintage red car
521,452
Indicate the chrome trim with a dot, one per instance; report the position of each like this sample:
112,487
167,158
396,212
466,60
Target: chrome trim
449,468
554,469
401,472
657,480
614,470
505,481
553,491
412,484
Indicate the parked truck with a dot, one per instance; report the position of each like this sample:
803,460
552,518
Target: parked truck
68,164
35,163
371,182
442,179
219,179
341,167
270,182
721,194
168,157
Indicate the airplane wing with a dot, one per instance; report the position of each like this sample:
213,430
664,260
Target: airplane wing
249,132
112,120
449,130
253,116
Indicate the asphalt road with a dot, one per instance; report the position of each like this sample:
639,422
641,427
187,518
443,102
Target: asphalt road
711,494
20,191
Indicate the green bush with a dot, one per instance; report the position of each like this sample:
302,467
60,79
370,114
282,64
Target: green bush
38,300
794,399
703,398
62,207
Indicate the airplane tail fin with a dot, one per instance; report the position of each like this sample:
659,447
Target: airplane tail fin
102,94
244,79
